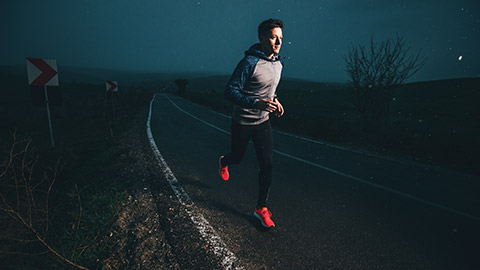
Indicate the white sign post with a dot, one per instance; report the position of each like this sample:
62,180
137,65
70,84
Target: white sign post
43,72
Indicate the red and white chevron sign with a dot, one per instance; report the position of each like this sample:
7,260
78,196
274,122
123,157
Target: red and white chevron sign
42,72
112,86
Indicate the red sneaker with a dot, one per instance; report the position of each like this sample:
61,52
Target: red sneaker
223,170
264,215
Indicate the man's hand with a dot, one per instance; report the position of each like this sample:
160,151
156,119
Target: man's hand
266,105
279,112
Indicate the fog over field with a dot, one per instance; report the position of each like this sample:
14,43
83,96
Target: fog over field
210,36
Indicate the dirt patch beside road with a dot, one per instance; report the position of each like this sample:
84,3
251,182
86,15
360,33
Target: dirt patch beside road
153,230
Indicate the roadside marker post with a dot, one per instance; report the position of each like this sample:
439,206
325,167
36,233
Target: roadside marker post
112,90
43,72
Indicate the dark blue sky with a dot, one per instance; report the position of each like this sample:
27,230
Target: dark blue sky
210,36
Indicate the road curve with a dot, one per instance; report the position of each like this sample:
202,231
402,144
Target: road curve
334,208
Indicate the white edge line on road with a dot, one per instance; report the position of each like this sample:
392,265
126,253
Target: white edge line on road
436,205
216,244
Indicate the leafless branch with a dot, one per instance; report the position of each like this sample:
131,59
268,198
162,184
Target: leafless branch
373,71
27,206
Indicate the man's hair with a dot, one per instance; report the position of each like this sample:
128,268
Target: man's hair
265,28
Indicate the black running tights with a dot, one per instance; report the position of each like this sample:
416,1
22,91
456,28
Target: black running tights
261,136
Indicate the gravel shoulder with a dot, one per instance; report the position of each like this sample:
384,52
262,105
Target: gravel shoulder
152,229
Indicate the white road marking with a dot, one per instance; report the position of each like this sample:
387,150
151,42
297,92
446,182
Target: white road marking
228,259
412,197
196,118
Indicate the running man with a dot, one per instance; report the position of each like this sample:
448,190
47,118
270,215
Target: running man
252,89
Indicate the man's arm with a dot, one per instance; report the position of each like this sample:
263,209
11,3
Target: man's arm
241,74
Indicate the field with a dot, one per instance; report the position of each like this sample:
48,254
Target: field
68,196
435,122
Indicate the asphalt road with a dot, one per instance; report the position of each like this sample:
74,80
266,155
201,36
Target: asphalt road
333,208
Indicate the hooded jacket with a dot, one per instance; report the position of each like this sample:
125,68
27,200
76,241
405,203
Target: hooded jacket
255,77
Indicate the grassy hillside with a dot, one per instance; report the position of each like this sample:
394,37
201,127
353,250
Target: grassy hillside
436,122
87,191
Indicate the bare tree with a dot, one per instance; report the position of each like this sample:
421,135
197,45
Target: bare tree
25,198
374,71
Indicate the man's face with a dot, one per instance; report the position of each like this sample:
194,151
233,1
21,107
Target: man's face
272,43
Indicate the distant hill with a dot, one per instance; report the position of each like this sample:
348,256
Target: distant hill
68,74
203,82
217,84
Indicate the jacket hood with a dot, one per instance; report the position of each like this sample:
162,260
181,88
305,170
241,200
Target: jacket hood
256,50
